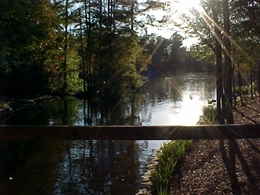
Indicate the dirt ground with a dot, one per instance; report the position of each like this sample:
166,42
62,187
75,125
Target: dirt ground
205,169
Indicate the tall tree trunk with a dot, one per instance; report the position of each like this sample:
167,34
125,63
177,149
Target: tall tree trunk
228,95
83,56
113,9
87,10
228,64
239,77
109,15
219,77
65,48
258,81
233,87
132,16
251,82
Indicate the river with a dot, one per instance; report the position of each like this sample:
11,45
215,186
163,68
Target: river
94,166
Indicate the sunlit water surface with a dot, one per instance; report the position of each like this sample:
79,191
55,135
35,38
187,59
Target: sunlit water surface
91,166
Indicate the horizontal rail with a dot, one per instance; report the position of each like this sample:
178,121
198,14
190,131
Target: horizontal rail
129,132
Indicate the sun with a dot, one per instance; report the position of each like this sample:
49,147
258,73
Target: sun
174,14
185,6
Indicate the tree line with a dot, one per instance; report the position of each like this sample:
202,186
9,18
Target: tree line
98,47
64,46
229,35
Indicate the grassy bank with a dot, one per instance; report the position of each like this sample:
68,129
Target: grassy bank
172,152
169,155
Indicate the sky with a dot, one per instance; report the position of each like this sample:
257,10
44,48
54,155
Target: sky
174,12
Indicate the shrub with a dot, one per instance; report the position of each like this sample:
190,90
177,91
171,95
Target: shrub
209,114
169,155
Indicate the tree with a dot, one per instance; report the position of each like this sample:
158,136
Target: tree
218,53
40,47
245,22
210,18
228,92
28,40
111,57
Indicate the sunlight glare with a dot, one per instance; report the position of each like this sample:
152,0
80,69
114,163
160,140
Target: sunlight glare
191,110
174,14
188,113
185,5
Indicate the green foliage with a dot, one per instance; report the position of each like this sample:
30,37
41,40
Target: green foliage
39,52
28,31
46,44
168,56
209,114
118,74
74,84
169,155
245,89
34,36
244,31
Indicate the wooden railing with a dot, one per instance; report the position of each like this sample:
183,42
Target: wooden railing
230,132
129,132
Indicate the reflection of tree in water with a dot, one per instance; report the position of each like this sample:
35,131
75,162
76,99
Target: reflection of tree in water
100,167
124,112
28,167
162,89
128,110
88,166
70,167
63,111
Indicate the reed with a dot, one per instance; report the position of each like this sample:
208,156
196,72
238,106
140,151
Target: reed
171,153
209,114
168,156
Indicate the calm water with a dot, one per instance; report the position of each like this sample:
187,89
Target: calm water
91,166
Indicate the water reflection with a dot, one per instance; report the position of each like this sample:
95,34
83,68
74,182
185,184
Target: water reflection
97,167
73,167
29,167
177,101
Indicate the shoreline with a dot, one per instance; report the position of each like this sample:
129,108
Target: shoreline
204,170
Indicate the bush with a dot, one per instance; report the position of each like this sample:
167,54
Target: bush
169,155
209,114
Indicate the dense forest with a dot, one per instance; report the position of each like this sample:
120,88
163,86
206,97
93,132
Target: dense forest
103,48
67,46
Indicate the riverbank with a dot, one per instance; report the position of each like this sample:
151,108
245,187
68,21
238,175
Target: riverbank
9,106
204,169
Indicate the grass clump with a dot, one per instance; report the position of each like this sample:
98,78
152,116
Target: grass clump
169,155
209,114
245,89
